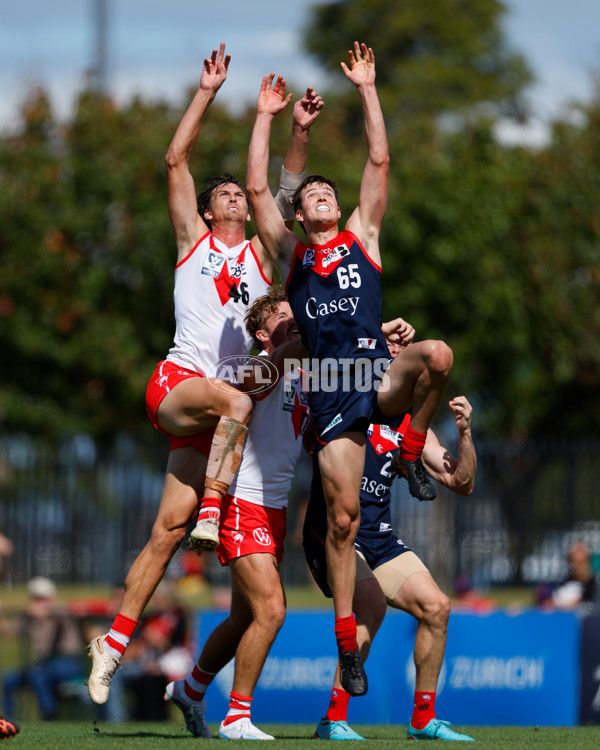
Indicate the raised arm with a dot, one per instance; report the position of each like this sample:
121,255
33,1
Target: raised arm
277,240
306,111
457,474
367,218
183,211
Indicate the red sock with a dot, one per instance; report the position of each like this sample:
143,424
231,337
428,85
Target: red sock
208,505
424,709
239,708
338,705
412,444
196,683
345,633
119,635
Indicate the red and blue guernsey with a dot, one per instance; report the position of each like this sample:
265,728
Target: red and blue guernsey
334,291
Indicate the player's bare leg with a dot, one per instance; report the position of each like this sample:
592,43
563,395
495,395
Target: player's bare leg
341,464
416,380
197,404
179,502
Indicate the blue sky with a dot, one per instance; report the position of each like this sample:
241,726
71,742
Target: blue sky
156,48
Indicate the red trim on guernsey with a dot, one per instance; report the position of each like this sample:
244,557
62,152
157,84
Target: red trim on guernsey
193,250
366,254
252,250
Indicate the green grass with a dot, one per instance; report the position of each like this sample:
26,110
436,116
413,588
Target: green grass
171,734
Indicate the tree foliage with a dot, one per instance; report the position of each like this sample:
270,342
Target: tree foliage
492,248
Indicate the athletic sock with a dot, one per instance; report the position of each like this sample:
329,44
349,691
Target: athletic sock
210,507
424,709
239,708
412,444
345,633
338,705
119,635
197,682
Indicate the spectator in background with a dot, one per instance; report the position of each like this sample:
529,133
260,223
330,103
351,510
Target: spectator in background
580,585
467,597
53,643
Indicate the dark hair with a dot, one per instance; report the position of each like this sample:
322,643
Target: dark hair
297,197
210,185
261,308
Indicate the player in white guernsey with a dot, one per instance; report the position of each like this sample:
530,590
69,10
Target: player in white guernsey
252,532
218,274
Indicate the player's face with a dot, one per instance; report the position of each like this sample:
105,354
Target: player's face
280,326
319,204
227,202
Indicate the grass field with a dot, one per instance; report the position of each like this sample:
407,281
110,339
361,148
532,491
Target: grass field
172,735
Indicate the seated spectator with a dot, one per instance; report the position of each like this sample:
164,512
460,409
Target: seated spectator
580,585
52,645
466,597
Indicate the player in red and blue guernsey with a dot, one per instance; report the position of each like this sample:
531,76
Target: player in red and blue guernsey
334,289
388,572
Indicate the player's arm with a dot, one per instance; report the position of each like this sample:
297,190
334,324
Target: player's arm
457,474
181,192
367,218
262,373
398,332
276,239
306,111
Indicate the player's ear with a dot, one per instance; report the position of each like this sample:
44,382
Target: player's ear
262,335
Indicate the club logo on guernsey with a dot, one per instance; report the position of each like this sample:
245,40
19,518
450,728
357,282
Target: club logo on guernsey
213,264
262,536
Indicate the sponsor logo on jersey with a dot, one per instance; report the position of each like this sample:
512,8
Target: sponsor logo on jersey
238,270
316,309
336,420
373,487
309,258
262,536
367,343
390,434
385,527
213,264
334,255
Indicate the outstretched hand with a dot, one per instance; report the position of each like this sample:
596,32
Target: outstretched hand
462,412
271,96
362,65
214,71
306,110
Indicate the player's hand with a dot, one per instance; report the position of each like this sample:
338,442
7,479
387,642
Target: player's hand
398,331
214,71
271,95
462,412
362,65
306,110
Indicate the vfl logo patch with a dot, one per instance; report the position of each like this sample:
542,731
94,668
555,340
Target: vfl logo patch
309,258
367,343
262,536
213,264
385,527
